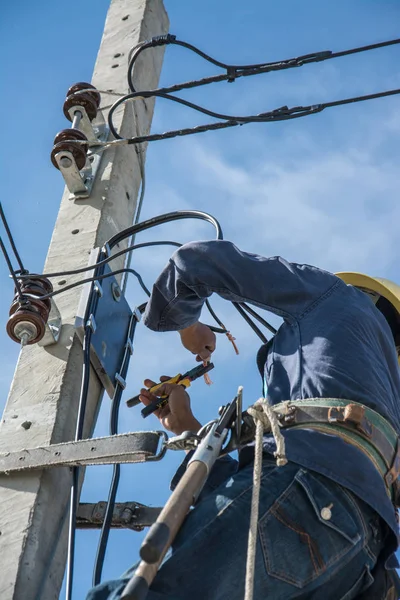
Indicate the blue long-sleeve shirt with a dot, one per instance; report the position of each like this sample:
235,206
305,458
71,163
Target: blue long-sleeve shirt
333,343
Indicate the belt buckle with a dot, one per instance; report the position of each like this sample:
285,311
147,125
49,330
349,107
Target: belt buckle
351,414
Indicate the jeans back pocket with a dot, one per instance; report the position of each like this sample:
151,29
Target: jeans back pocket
311,528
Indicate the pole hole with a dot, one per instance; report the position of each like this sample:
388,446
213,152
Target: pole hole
117,55
62,282
127,196
75,231
125,18
115,66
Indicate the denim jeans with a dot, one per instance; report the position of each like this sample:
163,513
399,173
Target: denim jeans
316,540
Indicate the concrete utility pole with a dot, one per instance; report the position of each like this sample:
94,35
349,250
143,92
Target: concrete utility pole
46,385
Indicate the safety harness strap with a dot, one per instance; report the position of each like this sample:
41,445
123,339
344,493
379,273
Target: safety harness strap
357,424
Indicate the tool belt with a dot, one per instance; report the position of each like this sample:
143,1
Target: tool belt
356,424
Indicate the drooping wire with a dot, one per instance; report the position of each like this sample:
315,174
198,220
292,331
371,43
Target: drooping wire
166,218
113,430
74,498
254,327
235,71
11,240
102,262
10,268
93,279
259,318
281,114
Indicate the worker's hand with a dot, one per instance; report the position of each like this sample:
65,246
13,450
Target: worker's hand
199,339
177,415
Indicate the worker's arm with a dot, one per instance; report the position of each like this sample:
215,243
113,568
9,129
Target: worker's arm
198,269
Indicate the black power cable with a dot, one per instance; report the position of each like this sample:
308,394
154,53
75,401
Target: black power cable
280,114
166,218
102,262
11,240
235,71
90,310
113,430
259,318
11,268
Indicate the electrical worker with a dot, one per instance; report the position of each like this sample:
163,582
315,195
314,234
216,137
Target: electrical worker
327,524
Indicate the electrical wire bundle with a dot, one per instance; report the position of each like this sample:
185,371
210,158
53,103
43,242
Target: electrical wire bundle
233,72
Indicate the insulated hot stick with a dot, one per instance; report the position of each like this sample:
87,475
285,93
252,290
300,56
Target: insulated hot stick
184,380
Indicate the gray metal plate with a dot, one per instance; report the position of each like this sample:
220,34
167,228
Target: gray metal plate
112,322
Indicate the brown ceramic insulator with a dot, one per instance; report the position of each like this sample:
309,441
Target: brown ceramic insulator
26,316
36,287
67,135
43,284
31,309
81,85
85,100
34,293
34,305
65,141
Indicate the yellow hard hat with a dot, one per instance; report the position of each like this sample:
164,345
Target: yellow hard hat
380,288
383,287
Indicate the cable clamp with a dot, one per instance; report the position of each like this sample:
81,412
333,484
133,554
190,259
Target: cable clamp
323,55
137,314
91,323
120,380
129,346
231,72
106,250
97,288
161,40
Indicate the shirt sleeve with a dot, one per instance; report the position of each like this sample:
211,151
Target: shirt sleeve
198,269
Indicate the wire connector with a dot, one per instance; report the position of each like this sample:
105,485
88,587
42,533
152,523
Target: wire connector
129,346
162,40
120,380
91,323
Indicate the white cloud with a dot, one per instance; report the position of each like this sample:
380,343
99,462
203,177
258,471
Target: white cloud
337,208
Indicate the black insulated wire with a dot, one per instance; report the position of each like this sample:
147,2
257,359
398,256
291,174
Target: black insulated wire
166,218
113,430
11,240
93,279
11,269
280,114
254,327
74,498
102,262
235,71
259,318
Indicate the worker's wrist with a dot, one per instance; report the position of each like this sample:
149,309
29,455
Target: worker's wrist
188,328
190,424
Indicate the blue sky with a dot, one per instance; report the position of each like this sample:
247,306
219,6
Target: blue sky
321,190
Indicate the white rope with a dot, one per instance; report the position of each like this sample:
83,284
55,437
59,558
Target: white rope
266,420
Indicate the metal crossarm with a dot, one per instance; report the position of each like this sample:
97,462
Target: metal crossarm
124,448
126,515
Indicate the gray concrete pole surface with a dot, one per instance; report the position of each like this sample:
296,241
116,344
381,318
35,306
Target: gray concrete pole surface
46,385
